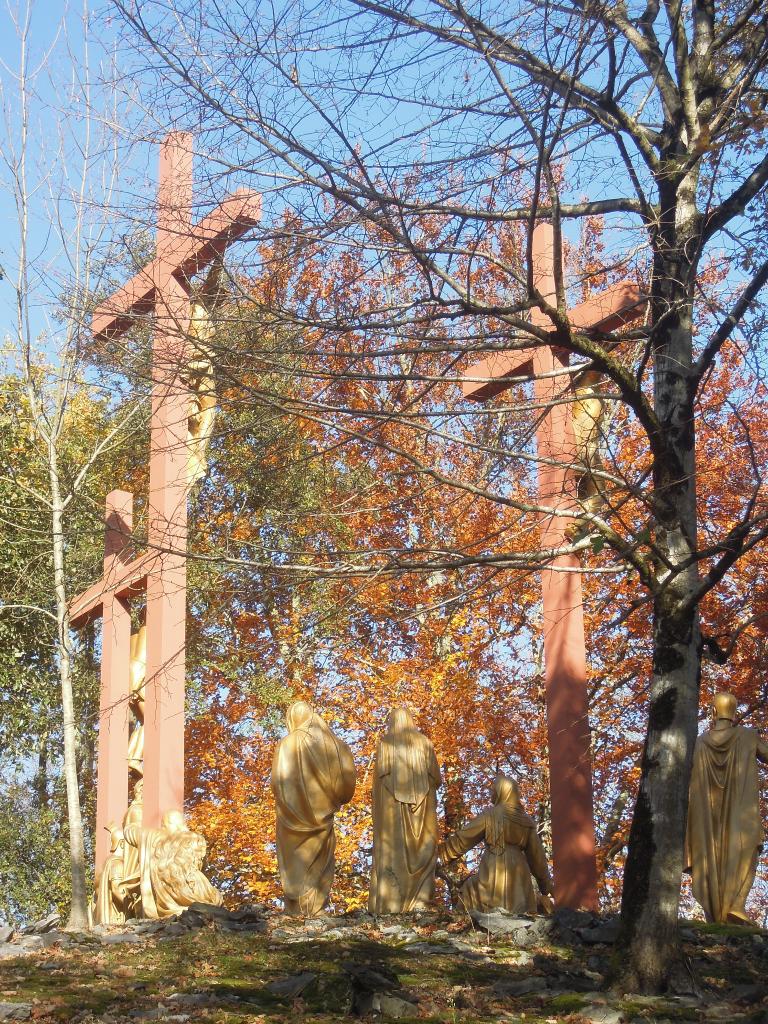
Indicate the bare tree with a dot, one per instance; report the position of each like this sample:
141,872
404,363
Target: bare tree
53,162
418,134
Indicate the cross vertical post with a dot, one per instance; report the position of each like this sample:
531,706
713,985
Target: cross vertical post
565,661
161,287
168,490
112,793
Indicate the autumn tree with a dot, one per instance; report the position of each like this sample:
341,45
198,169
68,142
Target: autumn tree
406,134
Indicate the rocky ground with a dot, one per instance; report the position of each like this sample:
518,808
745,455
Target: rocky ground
254,966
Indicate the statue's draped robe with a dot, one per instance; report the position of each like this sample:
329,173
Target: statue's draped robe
131,855
513,852
405,830
171,873
108,899
313,774
724,833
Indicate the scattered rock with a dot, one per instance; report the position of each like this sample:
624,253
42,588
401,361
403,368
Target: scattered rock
747,993
521,987
375,989
45,924
202,915
400,932
605,932
28,943
192,999
6,933
8,949
292,987
342,933
601,1015
116,938
428,947
15,1011
391,1006
523,931
523,959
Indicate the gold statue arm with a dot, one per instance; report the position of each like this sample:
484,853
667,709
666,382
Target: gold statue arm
463,840
537,862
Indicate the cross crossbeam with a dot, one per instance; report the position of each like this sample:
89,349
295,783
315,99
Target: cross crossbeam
569,739
603,313
162,288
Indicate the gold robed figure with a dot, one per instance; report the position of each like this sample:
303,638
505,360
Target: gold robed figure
109,896
171,863
405,830
725,832
199,374
313,775
138,675
132,822
589,412
513,852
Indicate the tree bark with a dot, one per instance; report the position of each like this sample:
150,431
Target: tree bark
653,873
78,916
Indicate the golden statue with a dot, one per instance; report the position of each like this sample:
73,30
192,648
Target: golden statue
131,852
725,832
405,831
171,867
109,897
589,411
313,774
513,852
199,376
138,675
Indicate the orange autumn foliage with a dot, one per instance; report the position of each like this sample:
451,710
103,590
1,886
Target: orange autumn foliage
340,448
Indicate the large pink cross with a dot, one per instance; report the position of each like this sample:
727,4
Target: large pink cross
162,287
568,733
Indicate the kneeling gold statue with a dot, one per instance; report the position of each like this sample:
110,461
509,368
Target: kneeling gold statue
513,852
153,872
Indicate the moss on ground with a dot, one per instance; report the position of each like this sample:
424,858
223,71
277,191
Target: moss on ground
228,973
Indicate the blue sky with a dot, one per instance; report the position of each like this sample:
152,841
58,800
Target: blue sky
68,71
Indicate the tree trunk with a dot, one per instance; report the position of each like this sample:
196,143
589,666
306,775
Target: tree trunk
78,916
656,841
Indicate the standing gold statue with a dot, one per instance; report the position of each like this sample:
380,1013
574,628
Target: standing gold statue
199,376
138,675
109,897
313,774
513,852
725,832
405,831
588,415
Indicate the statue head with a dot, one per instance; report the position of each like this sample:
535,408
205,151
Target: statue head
505,790
724,706
173,821
399,720
299,713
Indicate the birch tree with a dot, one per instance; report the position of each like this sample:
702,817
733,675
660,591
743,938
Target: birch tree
58,156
